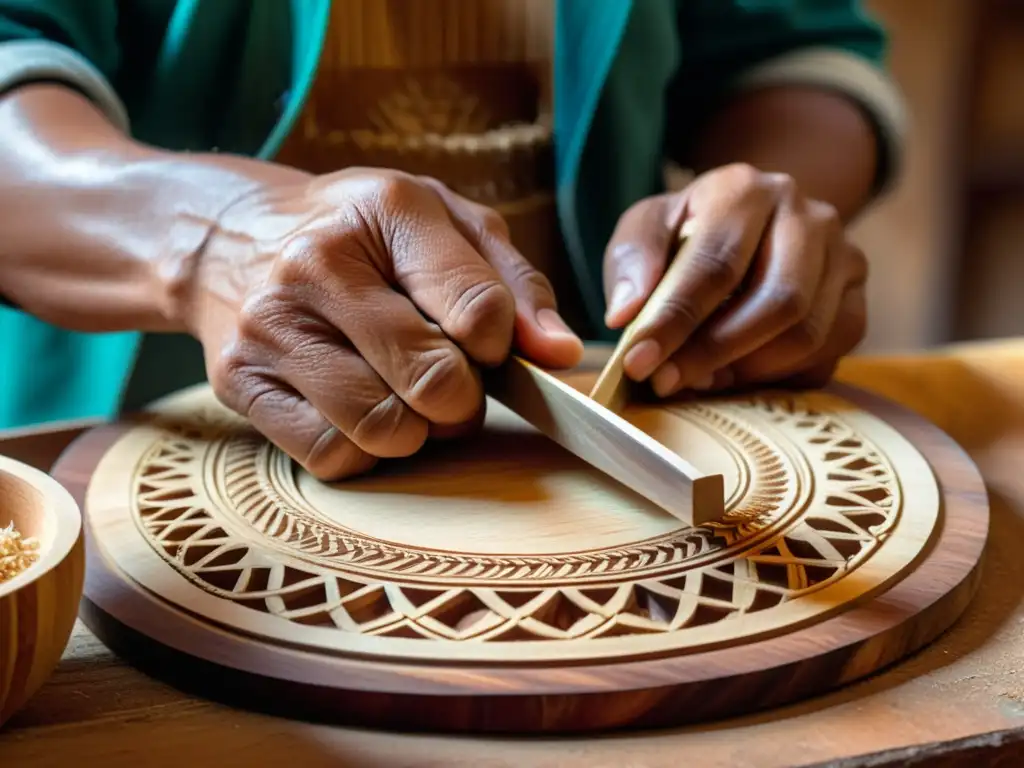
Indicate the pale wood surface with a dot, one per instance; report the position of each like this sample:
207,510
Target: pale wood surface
96,711
609,442
596,574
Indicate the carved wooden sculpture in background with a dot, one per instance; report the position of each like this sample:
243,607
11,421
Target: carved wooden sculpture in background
503,584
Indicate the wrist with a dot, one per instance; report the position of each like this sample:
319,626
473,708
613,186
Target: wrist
103,233
193,194
821,139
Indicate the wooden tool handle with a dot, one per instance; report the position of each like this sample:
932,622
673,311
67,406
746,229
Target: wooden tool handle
612,387
607,442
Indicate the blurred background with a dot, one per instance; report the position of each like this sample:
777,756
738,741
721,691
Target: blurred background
947,245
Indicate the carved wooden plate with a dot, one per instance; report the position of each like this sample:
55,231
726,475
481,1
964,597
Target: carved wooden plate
500,583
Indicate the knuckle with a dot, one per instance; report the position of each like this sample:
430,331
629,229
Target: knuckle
320,462
719,261
484,306
264,313
397,191
389,429
784,185
809,334
745,176
306,356
788,303
231,373
298,260
536,282
436,384
493,225
679,312
332,456
522,272
434,183
260,396
252,316
254,397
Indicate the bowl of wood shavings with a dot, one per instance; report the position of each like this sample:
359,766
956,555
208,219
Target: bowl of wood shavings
42,569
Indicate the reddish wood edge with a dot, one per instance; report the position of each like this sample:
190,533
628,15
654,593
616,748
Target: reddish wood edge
170,645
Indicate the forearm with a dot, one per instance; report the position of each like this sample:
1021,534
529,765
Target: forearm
823,140
99,231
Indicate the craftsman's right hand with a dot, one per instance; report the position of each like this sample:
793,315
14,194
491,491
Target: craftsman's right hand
345,317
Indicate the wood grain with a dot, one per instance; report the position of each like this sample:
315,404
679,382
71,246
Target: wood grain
530,556
719,682
608,442
38,607
958,696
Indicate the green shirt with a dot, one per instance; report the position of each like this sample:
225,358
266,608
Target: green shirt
629,77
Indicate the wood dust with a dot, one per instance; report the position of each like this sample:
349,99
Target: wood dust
16,553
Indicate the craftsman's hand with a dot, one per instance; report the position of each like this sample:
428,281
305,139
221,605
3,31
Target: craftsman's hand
345,316
772,293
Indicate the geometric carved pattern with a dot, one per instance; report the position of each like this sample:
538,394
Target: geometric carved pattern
812,501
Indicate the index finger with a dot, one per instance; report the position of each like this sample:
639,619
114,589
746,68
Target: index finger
540,332
710,266
446,277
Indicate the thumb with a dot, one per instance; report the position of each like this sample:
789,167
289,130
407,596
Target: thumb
540,332
637,253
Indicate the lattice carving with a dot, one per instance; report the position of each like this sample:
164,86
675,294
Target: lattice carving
813,500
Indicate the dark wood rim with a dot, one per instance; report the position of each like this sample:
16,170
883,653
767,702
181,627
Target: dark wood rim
219,664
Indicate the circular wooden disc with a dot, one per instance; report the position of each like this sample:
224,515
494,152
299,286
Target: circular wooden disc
500,584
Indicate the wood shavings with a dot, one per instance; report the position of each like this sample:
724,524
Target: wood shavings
16,553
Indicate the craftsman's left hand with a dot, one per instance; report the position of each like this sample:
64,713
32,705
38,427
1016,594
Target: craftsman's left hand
772,294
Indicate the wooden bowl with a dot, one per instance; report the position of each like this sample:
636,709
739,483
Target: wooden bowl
38,607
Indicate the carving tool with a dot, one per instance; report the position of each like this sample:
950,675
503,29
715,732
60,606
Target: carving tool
591,428
612,386
607,442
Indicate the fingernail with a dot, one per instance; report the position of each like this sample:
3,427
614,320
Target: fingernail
623,293
665,379
642,359
553,324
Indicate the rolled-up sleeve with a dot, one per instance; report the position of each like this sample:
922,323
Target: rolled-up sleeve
833,44
73,42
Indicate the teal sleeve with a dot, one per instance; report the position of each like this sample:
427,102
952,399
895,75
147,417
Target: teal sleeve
74,42
732,35
725,41
88,27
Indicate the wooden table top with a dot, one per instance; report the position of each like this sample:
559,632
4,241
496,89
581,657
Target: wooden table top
959,701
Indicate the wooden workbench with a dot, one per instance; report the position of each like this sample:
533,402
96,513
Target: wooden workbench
959,702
